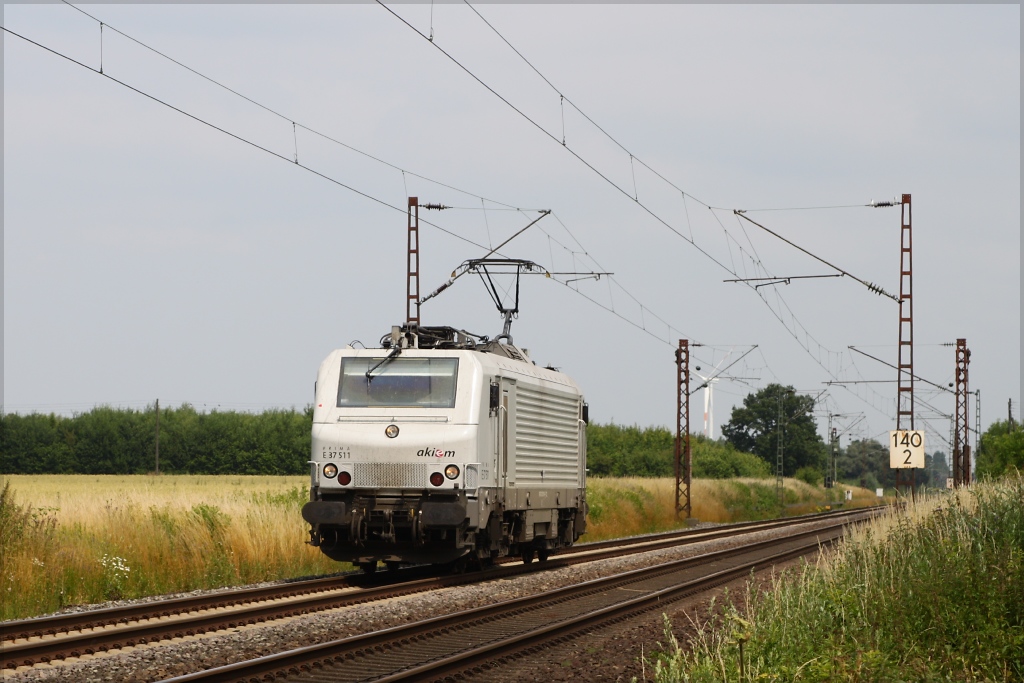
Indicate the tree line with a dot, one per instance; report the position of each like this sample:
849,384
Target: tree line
755,426
123,441
109,440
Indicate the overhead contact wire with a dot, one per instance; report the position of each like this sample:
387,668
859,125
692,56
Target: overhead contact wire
555,139
635,198
238,137
270,110
756,259
296,125
294,161
403,171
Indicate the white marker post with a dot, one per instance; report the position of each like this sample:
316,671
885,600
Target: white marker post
906,450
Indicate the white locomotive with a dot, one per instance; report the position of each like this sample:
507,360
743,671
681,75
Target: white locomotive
444,448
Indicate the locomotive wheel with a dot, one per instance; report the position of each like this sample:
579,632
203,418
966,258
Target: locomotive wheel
527,555
542,554
392,566
368,567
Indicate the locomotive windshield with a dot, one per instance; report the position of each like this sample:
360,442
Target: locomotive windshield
401,382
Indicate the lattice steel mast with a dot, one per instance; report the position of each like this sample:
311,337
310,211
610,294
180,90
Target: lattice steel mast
683,455
961,436
779,481
905,362
412,293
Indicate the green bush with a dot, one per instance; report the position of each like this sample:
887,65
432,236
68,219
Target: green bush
619,451
720,460
751,500
1001,450
809,475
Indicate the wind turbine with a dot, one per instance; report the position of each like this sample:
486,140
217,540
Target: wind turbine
709,399
709,405
708,387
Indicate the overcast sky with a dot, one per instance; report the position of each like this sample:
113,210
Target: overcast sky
147,255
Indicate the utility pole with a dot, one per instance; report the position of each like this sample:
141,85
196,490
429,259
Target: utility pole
952,432
412,294
779,489
961,443
157,454
831,439
977,421
683,455
905,363
834,469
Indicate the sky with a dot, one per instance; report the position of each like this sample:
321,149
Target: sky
216,256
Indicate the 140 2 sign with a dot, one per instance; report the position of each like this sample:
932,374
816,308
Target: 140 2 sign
906,449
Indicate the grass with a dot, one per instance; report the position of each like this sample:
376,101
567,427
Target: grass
67,540
630,506
933,593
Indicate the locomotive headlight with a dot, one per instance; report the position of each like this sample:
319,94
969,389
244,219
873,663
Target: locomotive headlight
452,471
436,479
391,431
330,470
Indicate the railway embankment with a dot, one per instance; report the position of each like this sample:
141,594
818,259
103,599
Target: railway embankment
932,592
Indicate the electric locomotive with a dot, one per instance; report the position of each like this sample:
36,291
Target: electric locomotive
444,447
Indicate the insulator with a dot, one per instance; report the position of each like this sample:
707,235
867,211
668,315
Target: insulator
435,207
884,203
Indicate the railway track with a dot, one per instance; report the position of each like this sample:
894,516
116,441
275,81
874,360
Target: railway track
30,641
476,640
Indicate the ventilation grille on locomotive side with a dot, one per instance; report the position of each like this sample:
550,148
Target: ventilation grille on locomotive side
547,437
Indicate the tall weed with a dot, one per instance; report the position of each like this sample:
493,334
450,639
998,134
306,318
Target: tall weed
932,593
630,506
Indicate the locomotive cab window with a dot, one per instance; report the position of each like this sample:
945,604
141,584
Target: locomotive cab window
398,382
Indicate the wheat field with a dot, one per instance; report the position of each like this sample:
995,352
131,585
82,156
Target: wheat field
73,539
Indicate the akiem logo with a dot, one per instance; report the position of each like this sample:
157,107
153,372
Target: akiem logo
435,453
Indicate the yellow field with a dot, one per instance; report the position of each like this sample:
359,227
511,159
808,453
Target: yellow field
71,539
92,538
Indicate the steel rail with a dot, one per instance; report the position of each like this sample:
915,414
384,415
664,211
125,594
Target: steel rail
475,658
724,529
263,604
389,641
62,623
